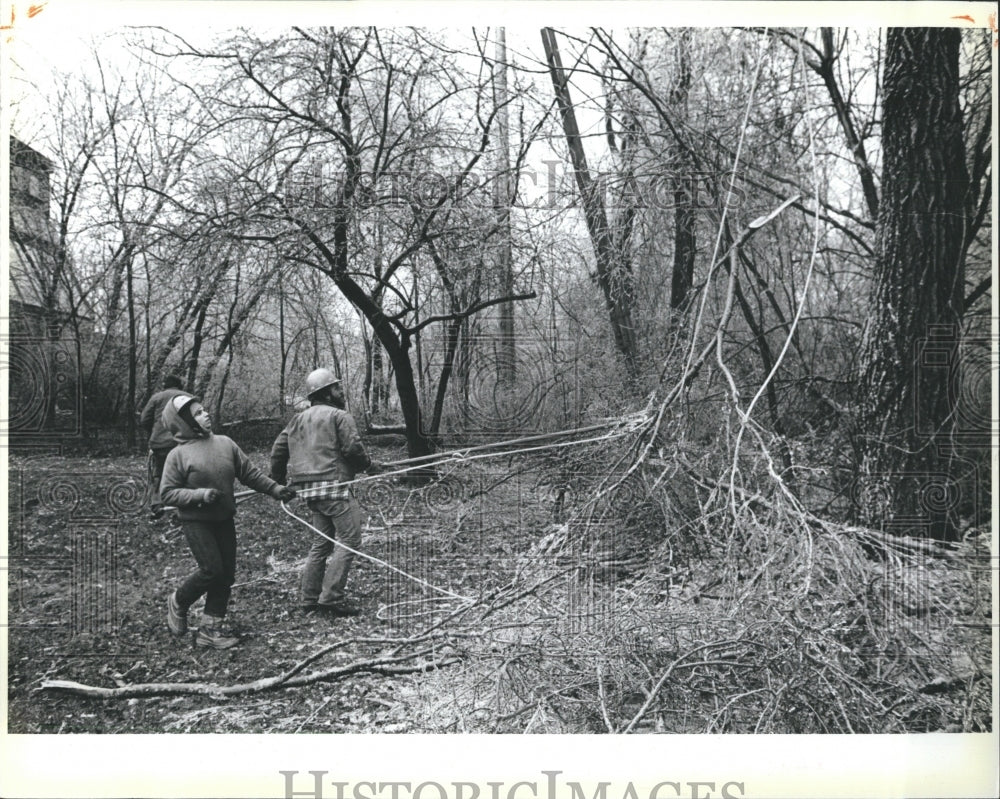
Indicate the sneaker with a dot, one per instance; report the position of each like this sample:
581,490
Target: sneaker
213,634
176,618
343,607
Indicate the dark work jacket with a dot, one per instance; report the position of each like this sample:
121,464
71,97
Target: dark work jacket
151,418
320,444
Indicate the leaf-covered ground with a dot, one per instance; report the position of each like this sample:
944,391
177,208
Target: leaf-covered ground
89,574
652,631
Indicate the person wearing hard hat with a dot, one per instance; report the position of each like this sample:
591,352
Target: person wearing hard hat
161,441
198,480
318,452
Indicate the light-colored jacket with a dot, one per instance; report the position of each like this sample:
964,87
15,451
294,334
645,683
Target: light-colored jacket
319,444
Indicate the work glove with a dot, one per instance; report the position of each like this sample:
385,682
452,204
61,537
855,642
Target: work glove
206,496
286,494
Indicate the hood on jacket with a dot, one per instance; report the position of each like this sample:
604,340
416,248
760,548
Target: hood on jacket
172,420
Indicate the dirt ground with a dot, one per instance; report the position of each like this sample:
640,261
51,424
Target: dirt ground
90,572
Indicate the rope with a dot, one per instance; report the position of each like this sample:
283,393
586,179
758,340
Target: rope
461,455
453,457
631,420
373,559
628,424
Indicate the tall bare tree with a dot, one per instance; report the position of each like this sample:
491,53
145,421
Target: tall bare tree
613,273
347,127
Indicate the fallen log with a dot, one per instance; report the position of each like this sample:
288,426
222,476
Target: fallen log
385,430
386,666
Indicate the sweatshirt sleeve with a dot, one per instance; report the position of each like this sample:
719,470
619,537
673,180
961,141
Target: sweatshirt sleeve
146,416
172,490
350,442
251,476
279,457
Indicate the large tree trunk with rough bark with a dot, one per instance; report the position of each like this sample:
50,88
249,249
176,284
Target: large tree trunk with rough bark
906,400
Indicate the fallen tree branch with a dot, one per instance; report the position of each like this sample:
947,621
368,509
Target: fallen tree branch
385,430
385,666
678,663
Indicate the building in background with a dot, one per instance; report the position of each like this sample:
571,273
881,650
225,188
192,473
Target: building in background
46,314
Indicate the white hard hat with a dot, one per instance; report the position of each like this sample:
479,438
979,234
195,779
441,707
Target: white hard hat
319,379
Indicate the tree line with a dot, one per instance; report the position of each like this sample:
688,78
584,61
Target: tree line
488,234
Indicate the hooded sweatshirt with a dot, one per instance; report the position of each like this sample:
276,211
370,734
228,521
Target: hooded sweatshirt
199,463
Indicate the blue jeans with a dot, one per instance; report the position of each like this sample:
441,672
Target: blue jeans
213,545
323,582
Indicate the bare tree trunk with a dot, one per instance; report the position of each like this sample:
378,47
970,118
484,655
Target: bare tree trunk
78,349
197,337
337,370
452,331
133,354
366,387
223,383
614,279
148,331
281,345
507,361
682,277
418,346
907,410
378,399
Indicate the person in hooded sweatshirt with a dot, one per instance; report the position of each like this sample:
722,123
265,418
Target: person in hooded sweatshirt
198,480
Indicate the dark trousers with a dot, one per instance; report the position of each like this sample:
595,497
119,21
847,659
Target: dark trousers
159,458
213,545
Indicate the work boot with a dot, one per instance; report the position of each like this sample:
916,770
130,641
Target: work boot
342,607
176,618
213,634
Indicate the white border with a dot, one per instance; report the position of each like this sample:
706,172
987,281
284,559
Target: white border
248,766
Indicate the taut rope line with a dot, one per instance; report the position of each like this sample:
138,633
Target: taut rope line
461,455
